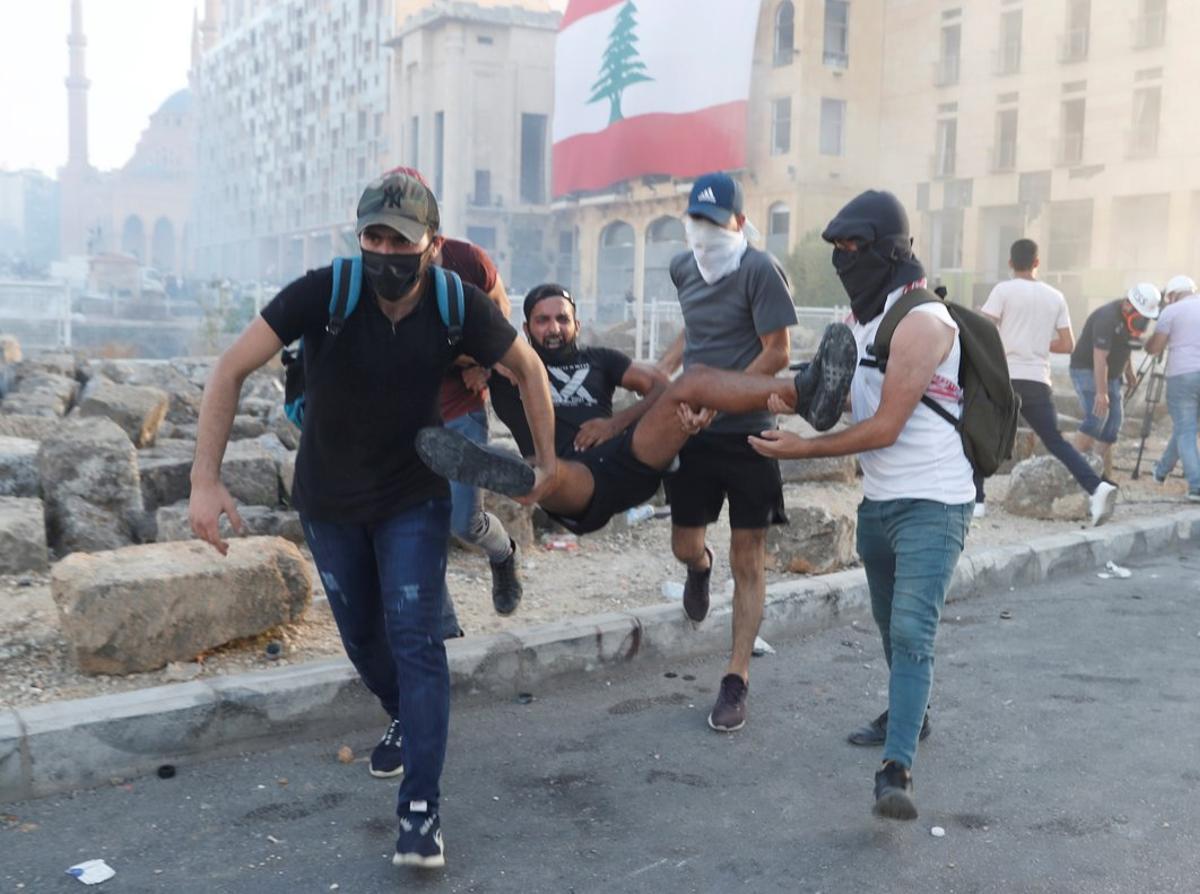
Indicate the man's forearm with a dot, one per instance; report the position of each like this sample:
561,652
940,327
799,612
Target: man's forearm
631,414
768,363
673,358
872,433
539,413
217,409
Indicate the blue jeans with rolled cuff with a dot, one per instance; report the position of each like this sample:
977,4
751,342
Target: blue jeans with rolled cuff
1103,430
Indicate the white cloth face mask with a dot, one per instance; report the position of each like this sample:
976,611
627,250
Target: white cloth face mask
718,251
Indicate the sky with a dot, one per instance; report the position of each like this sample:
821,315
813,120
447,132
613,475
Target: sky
137,55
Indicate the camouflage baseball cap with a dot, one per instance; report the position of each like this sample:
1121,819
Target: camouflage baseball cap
399,201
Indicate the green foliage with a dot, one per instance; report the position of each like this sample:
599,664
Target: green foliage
810,268
621,66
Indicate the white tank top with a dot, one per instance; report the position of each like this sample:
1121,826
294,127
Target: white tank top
927,461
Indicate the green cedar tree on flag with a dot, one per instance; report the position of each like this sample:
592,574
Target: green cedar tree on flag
622,66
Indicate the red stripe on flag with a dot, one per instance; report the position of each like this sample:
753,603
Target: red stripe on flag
684,145
579,9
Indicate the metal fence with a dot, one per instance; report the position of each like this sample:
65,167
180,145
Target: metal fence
37,313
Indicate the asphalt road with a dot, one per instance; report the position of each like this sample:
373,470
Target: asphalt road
1063,759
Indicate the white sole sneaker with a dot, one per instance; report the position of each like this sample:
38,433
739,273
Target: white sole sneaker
436,861
1102,503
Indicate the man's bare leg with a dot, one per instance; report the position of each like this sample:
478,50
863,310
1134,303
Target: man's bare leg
747,556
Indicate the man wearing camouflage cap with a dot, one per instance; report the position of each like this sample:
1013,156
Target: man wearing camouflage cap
375,517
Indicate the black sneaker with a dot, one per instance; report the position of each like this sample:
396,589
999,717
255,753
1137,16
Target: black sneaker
457,458
420,840
894,792
875,732
729,713
386,760
695,590
506,583
823,385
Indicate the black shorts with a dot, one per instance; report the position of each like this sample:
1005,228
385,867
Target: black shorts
717,465
622,482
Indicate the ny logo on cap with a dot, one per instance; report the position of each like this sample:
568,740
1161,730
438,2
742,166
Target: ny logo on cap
393,197
707,195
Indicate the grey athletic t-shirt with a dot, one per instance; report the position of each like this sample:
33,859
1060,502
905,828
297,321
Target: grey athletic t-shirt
723,322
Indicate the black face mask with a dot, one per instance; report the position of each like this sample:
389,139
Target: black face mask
392,276
865,276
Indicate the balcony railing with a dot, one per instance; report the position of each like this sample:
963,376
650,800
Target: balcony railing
1070,149
835,59
1073,46
946,71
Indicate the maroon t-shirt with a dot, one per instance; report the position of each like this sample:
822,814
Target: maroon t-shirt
471,263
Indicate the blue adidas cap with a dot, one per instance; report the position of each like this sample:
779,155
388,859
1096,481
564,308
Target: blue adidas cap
716,197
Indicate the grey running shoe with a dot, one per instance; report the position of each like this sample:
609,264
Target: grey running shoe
458,458
875,732
695,590
506,583
823,385
894,792
729,713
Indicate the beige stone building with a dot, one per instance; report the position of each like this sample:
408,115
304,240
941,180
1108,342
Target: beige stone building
1069,121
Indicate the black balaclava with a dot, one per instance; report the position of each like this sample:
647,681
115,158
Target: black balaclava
884,261
392,276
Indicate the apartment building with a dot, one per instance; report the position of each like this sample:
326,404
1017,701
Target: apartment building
1068,121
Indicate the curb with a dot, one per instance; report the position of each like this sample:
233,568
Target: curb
85,742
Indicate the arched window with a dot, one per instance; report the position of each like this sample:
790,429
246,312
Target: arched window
133,238
779,228
665,238
614,279
785,33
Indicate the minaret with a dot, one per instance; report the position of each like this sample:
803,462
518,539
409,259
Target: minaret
210,31
77,87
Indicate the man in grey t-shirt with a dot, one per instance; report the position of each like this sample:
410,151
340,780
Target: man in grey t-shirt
737,307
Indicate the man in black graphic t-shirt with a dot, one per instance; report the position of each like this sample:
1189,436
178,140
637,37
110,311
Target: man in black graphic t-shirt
376,518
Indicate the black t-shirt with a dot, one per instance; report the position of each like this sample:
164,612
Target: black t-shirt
1105,329
580,390
367,392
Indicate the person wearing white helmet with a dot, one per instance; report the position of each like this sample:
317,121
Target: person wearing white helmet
1100,359
1178,330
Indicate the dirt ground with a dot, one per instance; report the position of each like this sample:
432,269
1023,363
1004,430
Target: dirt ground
610,571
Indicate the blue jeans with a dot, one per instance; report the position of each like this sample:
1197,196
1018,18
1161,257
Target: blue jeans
1183,403
1103,430
909,549
386,583
465,503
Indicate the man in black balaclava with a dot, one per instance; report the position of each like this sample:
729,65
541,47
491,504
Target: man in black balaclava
917,483
882,259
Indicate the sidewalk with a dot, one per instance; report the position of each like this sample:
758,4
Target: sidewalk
75,744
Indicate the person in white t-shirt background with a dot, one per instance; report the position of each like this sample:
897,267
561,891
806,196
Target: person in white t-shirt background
917,482
1178,329
1034,323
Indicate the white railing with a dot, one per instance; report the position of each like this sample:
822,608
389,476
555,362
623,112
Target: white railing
39,313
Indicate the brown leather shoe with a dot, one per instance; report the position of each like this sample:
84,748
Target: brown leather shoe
729,713
695,590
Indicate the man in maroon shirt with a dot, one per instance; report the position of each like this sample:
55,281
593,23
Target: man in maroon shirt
463,410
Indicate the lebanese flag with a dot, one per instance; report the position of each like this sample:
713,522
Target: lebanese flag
650,87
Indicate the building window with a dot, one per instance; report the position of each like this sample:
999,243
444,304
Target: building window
533,159
837,34
1147,108
1074,47
1004,152
1070,231
785,33
833,126
439,151
1150,27
779,226
1074,116
1008,57
484,237
947,147
414,142
483,188
781,126
948,64
948,239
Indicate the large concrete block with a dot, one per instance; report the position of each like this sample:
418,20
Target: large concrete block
165,471
91,487
248,470
41,394
18,468
22,536
33,428
171,523
138,409
833,469
135,609
816,540
183,394
1041,487
251,474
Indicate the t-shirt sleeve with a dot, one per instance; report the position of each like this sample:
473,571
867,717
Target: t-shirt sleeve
301,306
1163,325
1064,314
994,306
615,364
487,336
771,303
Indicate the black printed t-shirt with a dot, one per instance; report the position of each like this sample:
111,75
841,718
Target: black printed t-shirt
1105,329
580,390
367,392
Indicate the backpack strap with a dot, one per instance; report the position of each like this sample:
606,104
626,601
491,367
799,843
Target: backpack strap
881,347
343,298
452,312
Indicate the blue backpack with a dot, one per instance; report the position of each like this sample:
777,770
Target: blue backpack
343,298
